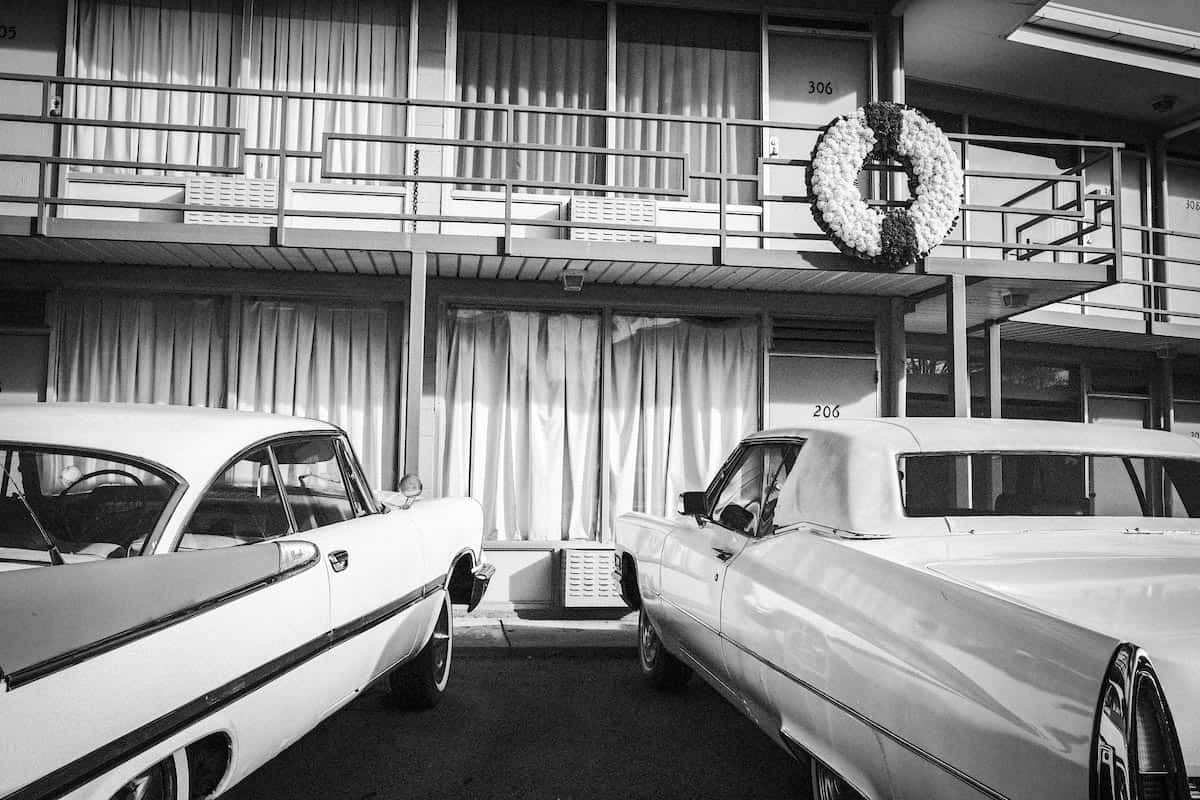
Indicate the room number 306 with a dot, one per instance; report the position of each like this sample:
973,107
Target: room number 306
8,31
820,87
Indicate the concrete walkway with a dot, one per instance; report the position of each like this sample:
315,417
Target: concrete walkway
514,636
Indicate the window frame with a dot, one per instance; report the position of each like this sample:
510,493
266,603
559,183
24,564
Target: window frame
334,436
720,482
366,504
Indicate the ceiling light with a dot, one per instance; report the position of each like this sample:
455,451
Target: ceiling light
572,280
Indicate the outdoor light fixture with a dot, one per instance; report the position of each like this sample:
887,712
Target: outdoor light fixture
1015,298
572,280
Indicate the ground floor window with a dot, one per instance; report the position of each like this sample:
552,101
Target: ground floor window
336,361
559,421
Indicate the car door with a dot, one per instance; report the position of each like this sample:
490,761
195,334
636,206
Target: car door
699,551
374,559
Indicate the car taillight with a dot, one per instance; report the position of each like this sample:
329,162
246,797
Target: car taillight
1135,751
1158,773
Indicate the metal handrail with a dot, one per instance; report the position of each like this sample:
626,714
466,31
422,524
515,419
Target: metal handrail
503,142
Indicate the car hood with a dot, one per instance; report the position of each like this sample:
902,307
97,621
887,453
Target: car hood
1138,588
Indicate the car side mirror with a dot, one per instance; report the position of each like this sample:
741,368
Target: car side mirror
736,518
693,504
411,487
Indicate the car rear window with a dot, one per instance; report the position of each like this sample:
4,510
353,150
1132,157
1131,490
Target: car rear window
1048,485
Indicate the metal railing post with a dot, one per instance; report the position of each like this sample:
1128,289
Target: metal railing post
508,179
281,177
42,222
722,140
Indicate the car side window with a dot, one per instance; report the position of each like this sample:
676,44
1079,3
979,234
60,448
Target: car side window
313,482
360,495
747,498
241,506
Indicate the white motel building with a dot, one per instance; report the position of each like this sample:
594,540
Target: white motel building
561,255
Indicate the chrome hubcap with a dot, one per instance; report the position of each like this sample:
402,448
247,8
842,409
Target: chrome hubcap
441,646
648,641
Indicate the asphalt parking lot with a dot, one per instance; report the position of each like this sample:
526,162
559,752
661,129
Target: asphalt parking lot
560,726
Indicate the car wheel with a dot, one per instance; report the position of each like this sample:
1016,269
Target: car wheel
663,670
420,683
828,786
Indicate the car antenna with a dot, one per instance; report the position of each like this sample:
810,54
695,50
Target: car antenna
55,556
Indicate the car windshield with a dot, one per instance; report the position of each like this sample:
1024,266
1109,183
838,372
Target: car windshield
1049,484
90,505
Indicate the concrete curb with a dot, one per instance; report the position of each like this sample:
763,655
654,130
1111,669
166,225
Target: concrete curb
517,637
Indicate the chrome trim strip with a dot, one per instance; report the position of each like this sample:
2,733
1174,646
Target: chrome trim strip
69,659
91,766
916,749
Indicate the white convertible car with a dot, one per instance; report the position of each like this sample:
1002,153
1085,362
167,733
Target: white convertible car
186,592
942,608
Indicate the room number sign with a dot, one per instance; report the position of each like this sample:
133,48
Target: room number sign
820,87
8,32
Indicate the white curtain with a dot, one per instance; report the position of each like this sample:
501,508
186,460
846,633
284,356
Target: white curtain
522,421
353,47
324,361
679,394
697,63
142,349
165,41
531,53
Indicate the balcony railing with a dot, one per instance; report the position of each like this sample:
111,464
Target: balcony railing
1025,199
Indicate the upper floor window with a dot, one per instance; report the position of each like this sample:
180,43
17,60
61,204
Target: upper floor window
540,53
357,47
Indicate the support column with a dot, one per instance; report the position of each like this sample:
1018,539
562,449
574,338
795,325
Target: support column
993,367
415,366
1163,394
956,330
896,366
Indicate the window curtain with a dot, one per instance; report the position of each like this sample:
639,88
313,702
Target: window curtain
352,47
542,53
167,41
522,421
679,396
695,63
160,349
324,361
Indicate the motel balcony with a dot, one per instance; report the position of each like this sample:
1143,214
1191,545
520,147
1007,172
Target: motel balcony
317,182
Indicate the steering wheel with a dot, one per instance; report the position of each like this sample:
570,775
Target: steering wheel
89,475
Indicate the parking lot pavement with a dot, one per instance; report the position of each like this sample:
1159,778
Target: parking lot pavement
566,725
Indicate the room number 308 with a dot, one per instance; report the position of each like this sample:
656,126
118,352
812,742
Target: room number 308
8,31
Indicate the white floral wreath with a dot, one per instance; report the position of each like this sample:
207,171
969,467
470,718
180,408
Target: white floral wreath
885,131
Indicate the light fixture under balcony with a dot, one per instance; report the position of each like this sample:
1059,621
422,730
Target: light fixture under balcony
572,280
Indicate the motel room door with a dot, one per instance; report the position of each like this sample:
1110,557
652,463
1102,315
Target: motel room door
812,77
821,370
23,366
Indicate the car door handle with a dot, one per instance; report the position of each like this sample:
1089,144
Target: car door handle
722,553
339,560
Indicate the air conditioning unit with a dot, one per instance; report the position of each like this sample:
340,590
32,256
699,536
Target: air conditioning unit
621,210
587,579
225,190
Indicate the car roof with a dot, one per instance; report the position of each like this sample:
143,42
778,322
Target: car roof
941,434
193,442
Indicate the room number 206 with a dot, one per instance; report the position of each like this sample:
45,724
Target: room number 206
826,411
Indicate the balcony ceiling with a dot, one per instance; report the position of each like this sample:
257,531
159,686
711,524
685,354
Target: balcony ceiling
962,43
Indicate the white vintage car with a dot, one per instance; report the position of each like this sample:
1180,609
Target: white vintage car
942,608
209,586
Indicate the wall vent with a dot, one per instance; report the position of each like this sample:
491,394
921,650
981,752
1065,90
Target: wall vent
219,190
621,210
827,337
587,579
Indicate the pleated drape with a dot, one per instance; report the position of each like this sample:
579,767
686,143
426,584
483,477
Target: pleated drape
680,393
323,361
525,405
542,53
142,349
349,47
521,423
696,63
166,41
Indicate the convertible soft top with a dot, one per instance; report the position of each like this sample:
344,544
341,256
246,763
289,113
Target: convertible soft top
193,442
